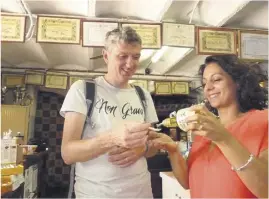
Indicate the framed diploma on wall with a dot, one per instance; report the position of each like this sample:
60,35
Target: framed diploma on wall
58,30
56,80
94,32
179,35
141,83
149,33
212,41
253,45
163,88
181,88
73,79
34,77
13,28
12,80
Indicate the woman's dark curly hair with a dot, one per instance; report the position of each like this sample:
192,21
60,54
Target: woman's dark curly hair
250,94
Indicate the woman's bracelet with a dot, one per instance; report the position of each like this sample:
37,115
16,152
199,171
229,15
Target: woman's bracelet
243,166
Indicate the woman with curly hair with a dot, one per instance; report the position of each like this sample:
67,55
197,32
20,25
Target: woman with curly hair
229,155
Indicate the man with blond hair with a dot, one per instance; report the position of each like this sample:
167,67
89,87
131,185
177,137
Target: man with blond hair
105,146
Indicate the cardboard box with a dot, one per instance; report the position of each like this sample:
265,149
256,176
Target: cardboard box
5,153
12,141
11,152
16,154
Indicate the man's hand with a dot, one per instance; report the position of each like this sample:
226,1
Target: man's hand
130,134
125,157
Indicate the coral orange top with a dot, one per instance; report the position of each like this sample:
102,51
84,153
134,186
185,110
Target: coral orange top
210,174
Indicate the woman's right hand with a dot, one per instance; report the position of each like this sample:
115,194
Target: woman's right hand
161,141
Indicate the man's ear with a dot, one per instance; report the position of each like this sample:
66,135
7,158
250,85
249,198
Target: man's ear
105,56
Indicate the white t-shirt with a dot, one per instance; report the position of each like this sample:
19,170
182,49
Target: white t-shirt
98,177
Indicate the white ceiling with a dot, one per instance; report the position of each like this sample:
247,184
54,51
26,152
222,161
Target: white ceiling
175,61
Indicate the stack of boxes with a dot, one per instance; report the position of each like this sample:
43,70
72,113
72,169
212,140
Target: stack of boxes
11,164
11,152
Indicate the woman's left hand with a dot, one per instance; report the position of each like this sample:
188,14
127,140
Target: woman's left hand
206,124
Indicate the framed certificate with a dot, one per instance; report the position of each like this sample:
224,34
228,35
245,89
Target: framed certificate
58,30
94,32
141,83
163,88
13,28
12,80
180,88
34,77
216,41
180,35
253,45
56,80
73,79
149,33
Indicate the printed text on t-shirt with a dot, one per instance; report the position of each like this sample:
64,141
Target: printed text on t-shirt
126,110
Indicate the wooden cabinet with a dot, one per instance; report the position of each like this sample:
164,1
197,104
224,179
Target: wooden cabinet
171,187
16,118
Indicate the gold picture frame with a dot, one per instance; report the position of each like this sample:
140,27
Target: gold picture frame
178,35
73,79
34,77
163,88
212,41
94,32
141,83
150,33
253,45
13,28
58,30
180,88
56,80
12,80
